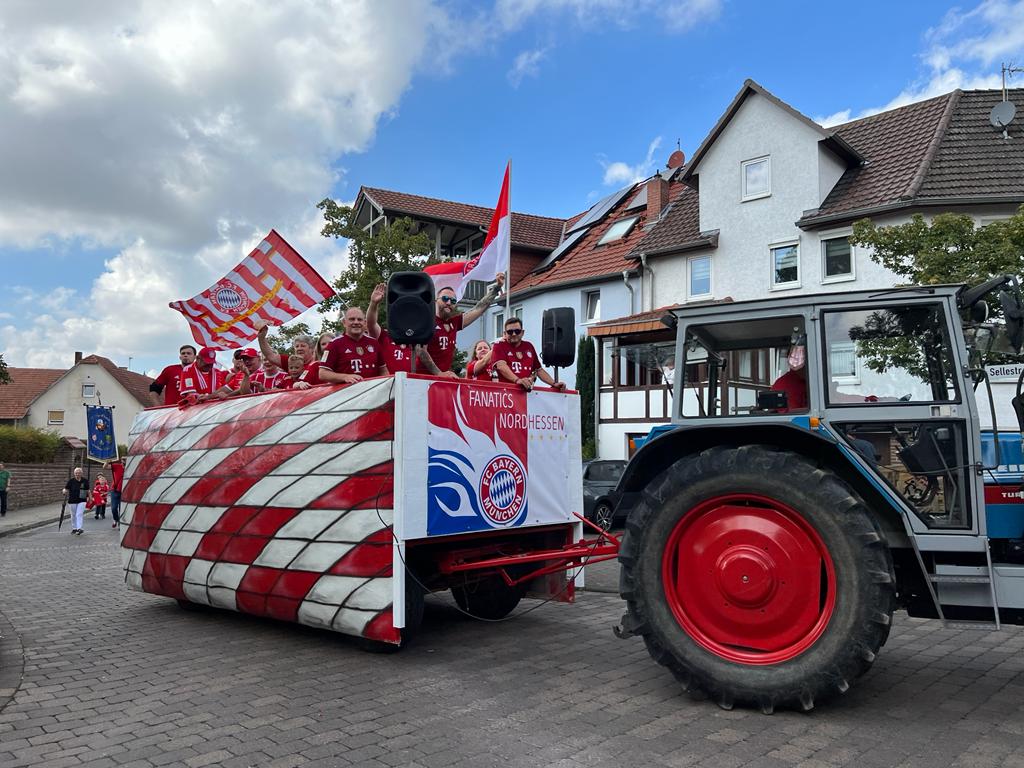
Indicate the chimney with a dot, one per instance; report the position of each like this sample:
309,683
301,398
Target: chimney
657,197
78,357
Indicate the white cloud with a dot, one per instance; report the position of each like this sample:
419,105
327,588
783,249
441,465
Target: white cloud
963,51
527,64
620,173
678,15
178,136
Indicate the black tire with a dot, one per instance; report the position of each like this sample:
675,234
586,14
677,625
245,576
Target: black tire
604,515
491,599
847,634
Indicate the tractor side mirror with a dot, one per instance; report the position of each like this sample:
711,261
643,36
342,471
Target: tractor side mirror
1013,312
1018,408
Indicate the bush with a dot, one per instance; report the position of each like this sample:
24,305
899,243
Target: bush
28,445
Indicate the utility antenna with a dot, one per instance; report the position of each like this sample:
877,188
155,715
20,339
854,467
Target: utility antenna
1002,114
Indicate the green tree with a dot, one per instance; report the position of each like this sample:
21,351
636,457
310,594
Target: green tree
283,336
585,372
371,260
5,376
949,249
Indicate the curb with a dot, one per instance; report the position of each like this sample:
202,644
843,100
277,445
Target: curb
24,527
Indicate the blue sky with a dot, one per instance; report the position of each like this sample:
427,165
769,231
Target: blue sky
147,152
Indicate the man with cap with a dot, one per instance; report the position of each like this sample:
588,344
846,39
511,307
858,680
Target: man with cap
354,355
516,360
169,378
302,345
203,380
247,362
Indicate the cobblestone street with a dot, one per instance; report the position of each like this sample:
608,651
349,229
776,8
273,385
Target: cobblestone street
92,674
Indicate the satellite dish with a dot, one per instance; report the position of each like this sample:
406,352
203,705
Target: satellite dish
1002,115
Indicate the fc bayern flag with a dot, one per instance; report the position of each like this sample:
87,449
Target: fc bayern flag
494,257
273,283
100,423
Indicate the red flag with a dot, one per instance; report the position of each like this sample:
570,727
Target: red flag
273,283
494,257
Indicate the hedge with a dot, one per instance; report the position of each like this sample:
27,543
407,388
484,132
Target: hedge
28,445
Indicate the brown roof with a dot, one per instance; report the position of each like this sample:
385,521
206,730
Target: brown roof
528,231
26,385
588,260
644,321
136,384
678,229
936,151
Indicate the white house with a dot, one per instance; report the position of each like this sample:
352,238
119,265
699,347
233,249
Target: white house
54,399
769,202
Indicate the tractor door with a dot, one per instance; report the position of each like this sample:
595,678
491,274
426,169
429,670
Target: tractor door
894,392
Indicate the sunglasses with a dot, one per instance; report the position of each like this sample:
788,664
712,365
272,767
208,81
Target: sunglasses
449,299
513,331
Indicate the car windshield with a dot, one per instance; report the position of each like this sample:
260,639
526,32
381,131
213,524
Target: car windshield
605,471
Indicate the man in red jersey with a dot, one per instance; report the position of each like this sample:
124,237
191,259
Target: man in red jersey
516,360
354,355
397,357
247,365
167,381
203,380
447,323
302,345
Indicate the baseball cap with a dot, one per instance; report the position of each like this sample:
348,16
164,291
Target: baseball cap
207,354
248,352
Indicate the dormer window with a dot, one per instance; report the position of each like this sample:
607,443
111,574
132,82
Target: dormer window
755,178
618,230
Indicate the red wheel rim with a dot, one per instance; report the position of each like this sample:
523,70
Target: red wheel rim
749,579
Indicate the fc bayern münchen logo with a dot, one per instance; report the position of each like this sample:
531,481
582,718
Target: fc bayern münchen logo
229,298
503,491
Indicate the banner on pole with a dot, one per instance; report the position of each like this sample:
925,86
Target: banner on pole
102,445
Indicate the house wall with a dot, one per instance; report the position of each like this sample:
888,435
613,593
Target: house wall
615,302
66,395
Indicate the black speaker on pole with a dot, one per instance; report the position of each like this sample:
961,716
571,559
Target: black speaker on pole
558,337
411,307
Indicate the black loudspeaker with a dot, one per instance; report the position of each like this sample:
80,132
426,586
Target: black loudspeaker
558,337
411,307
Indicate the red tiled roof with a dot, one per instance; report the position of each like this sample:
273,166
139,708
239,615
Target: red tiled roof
678,229
26,385
587,259
528,231
136,384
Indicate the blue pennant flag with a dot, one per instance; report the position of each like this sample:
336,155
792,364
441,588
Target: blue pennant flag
100,420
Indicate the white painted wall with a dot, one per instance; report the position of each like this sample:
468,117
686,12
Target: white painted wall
614,303
66,395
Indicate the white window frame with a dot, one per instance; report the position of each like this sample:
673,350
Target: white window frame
499,325
587,319
823,238
855,377
51,420
91,386
773,286
689,278
629,223
744,197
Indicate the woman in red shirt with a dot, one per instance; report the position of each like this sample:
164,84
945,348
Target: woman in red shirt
479,367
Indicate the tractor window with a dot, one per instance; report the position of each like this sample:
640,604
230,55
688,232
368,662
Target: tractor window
891,355
744,368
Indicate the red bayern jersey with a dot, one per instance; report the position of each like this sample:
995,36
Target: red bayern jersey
271,381
169,380
195,381
522,358
397,357
442,346
475,370
311,373
234,380
361,356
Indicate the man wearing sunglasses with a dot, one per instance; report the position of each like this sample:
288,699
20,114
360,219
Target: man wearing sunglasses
516,360
448,323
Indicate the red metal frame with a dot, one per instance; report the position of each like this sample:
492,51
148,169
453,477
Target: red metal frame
583,552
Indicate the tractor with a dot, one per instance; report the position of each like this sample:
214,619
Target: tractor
825,466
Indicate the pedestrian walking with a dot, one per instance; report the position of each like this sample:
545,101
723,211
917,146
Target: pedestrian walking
5,486
77,491
117,473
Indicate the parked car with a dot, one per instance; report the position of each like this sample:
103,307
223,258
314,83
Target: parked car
599,496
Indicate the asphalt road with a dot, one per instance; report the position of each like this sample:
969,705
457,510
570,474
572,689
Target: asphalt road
92,674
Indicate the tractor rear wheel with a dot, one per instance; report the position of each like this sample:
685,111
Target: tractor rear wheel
757,576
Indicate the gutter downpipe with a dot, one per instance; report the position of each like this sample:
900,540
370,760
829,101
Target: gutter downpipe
645,268
626,274
597,397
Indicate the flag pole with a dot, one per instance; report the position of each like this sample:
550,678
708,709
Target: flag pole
508,253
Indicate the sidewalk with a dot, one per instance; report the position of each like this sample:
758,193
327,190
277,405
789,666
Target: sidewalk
30,517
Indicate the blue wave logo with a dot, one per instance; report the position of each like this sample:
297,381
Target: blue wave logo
452,503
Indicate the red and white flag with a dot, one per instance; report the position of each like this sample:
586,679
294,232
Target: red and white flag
273,283
486,265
